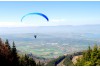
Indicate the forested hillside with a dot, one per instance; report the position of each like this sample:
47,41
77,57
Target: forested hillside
91,57
10,57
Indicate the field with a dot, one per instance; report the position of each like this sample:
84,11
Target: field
50,46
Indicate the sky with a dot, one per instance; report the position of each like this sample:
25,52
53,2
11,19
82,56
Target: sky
58,12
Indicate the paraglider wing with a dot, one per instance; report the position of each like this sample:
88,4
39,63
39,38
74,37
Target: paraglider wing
35,14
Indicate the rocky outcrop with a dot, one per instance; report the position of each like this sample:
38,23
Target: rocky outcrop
74,59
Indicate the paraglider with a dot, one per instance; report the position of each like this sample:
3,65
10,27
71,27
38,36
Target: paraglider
36,13
35,36
41,14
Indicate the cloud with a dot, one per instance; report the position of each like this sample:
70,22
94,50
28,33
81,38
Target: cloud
52,22
58,20
14,24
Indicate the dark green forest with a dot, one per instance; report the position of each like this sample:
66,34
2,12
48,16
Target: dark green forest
91,57
9,56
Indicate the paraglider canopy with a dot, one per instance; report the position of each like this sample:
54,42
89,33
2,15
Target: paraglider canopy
41,14
36,13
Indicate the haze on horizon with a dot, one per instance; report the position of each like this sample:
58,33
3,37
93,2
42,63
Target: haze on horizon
59,13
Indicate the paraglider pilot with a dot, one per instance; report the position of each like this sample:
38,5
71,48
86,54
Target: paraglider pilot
35,36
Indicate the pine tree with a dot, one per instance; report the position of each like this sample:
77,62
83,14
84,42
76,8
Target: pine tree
27,59
0,42
15,57
88,54
7,44
5,54
32,62
94,54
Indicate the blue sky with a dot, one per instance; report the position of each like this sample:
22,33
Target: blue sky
59,13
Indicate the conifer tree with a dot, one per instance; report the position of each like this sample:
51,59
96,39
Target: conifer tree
0,42
7,44
32,62
15,57
27,59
